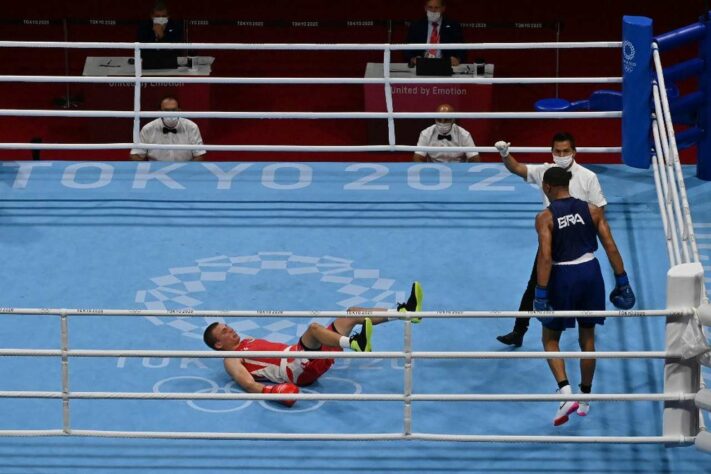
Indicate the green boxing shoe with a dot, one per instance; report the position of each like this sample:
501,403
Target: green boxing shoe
414,302
361,342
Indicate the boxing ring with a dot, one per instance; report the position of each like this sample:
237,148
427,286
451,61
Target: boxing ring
174,244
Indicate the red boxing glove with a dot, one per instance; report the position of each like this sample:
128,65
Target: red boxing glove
282,388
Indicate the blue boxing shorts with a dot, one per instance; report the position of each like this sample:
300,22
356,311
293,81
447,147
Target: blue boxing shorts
577,287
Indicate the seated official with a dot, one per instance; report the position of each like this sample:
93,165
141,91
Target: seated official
160,29
445,133
435,29
170,131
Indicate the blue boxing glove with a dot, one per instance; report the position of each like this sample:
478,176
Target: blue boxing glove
622,296
540,300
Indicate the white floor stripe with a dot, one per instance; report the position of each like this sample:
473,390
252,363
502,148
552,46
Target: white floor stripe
703,236
702,225
704,246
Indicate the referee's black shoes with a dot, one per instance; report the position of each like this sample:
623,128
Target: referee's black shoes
513,338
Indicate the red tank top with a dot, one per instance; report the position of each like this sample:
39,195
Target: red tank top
264,368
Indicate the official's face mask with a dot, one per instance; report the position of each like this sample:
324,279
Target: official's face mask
170,122
433,16
563,161
160,20
443,128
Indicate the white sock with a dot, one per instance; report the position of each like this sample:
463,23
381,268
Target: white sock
344,342
566,390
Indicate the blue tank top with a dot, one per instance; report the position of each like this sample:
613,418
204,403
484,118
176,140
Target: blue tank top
573,231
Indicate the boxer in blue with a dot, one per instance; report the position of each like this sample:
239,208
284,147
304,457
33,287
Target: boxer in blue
569,278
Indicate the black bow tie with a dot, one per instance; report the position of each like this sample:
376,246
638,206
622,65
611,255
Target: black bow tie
170,130
444,137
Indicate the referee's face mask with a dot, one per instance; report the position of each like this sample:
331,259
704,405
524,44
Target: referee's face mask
563,154
170,105
444,126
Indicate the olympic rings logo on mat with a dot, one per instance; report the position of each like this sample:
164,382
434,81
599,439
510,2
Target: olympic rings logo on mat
178,290
207,385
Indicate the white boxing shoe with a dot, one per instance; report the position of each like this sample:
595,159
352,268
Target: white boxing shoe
565,408
583,408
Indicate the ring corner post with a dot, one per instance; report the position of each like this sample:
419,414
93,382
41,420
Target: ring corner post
703,146
682,376
636,90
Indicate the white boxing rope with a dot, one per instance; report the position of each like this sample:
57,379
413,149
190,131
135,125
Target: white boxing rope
286,148
308,80
309,46
684,440
337,355
31,352
664,196
212,435
194,80
557,439
32,433
685,211
668,234
370,397
664,131
507,80
261,148
346,314
384,115
304,115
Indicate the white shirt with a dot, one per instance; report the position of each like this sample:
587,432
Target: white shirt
188,134
460,137
584,184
